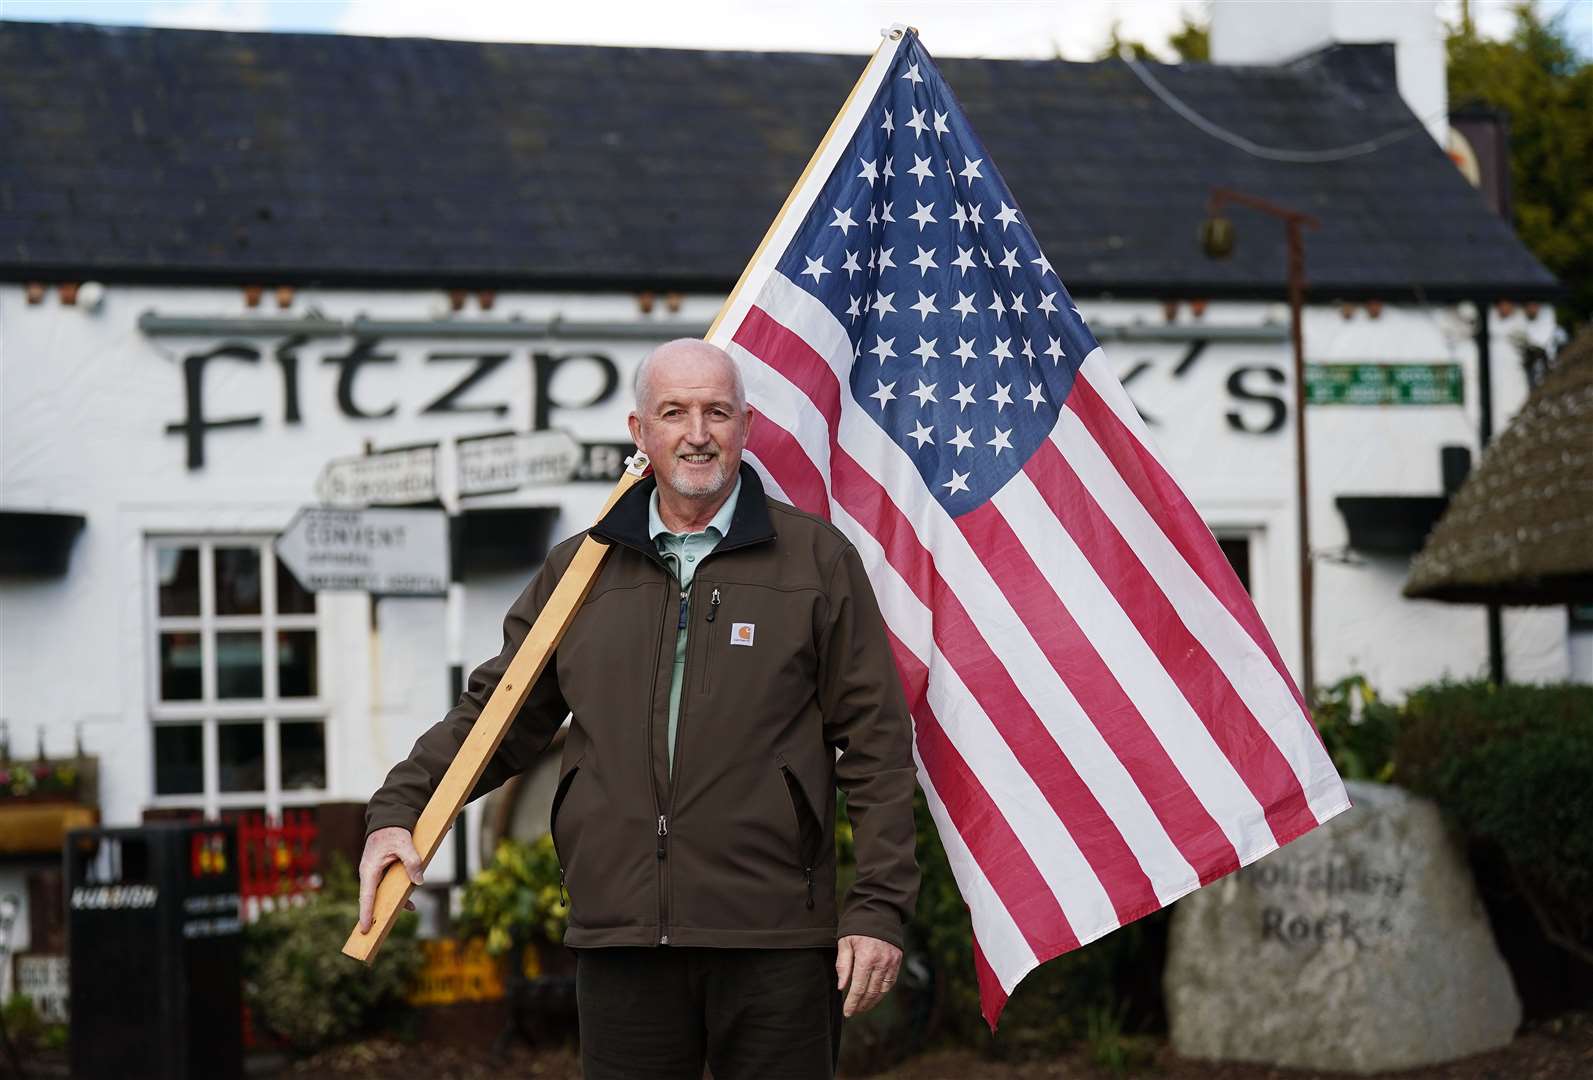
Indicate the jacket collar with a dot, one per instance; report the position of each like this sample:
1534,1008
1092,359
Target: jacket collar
626,522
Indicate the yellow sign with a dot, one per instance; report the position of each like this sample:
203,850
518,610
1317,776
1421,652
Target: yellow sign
457,971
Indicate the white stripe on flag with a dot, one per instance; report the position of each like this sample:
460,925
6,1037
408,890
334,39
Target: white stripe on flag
1007,953
1247,669
1023,805
1138,671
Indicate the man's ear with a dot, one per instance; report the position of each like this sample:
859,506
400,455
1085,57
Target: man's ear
634,422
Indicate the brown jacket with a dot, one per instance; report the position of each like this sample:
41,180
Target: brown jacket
736,849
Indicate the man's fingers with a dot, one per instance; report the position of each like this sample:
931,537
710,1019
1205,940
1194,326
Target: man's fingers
411,860
843,963
854,996
875,990
368,881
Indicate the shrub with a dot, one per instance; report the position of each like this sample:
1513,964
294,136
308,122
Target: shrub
516,899
1512,768
300,985
1358,728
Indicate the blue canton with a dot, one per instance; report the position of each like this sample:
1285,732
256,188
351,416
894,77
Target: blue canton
964,341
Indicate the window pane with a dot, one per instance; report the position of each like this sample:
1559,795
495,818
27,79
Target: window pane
178,571
238,581
179,759
292,598
239,664
296,676
1237,549
241,750
180,678
303,746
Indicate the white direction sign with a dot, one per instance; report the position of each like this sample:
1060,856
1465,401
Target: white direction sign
392,476
491,463
389,552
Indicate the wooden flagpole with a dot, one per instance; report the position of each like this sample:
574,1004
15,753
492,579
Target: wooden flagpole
493,723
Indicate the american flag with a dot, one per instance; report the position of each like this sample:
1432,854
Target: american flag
1101,722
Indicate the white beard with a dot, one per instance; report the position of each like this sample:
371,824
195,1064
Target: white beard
702,489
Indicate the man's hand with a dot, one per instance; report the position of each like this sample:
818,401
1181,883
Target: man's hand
392,844
870,965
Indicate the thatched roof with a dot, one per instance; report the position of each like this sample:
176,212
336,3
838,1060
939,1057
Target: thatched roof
1520,530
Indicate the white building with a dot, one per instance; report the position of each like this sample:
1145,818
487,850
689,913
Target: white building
227,260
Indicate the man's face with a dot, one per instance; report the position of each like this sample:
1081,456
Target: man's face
689,422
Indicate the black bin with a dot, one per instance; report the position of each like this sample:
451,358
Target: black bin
155,949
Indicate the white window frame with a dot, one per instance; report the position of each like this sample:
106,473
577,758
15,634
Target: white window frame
209,711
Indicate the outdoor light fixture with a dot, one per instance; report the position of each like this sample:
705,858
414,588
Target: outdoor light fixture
1216,237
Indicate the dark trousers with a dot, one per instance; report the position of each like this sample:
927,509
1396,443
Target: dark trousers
750,1014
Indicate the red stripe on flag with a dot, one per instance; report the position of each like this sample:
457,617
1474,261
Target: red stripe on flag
992,995
786,352
1092,829
1234,728
779,452
1187,823
1001,856
1173,513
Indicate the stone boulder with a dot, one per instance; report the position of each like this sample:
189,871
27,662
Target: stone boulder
1360,947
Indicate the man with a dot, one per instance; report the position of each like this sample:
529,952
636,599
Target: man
730,647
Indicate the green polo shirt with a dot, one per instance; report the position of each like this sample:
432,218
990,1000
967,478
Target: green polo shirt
682,552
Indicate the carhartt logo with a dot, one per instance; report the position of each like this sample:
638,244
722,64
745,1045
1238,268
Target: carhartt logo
741,633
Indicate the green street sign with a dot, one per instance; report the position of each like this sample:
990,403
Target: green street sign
1383,384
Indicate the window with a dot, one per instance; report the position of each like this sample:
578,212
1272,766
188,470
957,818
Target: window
235,693
1237,551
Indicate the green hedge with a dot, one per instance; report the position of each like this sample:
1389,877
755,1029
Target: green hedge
1512,768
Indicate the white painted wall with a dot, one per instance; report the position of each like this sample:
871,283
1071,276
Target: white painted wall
1245,32
85,397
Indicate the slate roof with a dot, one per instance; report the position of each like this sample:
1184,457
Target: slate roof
201,156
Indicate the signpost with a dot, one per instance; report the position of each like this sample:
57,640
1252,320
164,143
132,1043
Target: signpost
496,463
386,552
407,475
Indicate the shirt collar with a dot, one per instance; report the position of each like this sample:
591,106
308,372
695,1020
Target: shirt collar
720,523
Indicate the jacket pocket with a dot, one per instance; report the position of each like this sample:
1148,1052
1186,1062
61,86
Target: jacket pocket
809,828
559,795
711,628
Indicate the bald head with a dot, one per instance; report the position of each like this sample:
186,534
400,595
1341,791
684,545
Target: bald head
683,355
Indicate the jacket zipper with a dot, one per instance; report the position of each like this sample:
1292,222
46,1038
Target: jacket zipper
663,864
652,782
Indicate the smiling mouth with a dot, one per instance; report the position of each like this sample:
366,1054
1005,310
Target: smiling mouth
697,459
